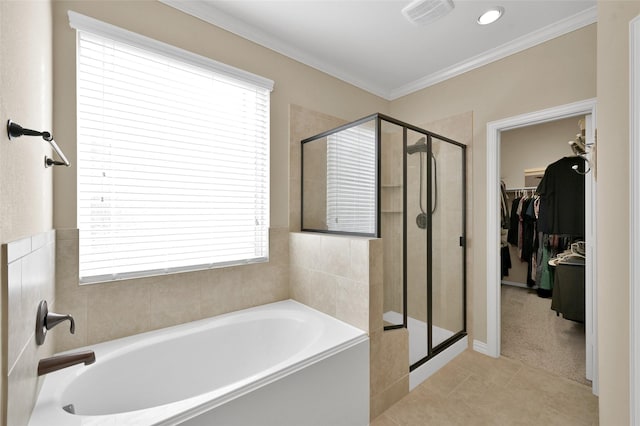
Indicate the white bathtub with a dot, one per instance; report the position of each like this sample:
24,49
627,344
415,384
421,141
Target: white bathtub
278,364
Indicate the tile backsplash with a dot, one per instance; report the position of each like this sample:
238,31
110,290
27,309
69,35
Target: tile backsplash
108,311
342,276
28,267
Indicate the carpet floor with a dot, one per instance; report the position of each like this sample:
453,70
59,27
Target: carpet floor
534,334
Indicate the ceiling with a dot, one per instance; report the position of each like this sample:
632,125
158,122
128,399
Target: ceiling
371,45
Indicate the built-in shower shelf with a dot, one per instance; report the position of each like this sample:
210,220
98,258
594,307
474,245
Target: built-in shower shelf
391,211
391,186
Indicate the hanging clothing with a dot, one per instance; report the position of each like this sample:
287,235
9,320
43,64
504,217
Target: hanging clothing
512,235
505,261
561,193
521,205
522,234
545,273
528,243
504,208
528,225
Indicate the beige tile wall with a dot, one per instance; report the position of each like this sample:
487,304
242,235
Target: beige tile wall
315,184
446,252
389,369
331,273
342,276
447,289
111,310
304,123
391,216
28,277
447,256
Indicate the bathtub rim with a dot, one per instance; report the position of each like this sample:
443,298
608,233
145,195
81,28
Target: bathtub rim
185,409
148,341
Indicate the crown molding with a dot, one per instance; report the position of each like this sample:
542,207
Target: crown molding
565,26
203,10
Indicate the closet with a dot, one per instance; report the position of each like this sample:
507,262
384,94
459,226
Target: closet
540,202
543,250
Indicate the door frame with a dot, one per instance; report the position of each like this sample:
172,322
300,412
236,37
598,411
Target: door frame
586,107
634,219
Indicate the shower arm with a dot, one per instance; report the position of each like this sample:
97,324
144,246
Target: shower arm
14,130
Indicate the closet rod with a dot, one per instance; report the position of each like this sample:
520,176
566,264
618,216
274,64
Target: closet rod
524,188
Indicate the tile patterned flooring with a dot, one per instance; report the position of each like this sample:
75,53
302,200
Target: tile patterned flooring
475,389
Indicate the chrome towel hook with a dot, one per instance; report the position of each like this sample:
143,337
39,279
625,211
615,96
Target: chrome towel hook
14,130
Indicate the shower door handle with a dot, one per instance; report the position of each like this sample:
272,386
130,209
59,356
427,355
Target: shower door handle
462,241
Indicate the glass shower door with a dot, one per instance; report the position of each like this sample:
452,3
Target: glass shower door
435,230
380,177
447,241
417,246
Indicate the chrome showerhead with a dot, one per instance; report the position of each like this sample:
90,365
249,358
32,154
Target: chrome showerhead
419,146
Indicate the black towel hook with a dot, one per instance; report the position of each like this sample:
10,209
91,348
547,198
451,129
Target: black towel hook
14,130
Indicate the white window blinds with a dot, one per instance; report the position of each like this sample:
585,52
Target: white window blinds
173,162
351,180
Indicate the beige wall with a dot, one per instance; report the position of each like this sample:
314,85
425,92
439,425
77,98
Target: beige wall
613,208
26,87
295,83
557,72
25,185
145,304
534,147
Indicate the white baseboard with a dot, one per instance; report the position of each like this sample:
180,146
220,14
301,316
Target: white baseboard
480,347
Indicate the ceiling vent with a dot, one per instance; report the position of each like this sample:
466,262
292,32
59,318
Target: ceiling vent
424,12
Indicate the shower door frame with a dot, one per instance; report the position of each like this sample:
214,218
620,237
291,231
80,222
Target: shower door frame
431,350
377,176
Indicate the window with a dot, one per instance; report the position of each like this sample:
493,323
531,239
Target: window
173,158
351,180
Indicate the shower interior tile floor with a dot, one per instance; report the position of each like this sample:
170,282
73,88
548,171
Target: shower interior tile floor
475,389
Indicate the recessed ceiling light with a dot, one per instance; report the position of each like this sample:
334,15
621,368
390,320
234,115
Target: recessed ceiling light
491,15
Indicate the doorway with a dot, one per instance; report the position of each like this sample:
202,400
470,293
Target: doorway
583,108
532,331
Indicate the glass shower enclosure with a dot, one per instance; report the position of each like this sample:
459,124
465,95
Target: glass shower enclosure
380,177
